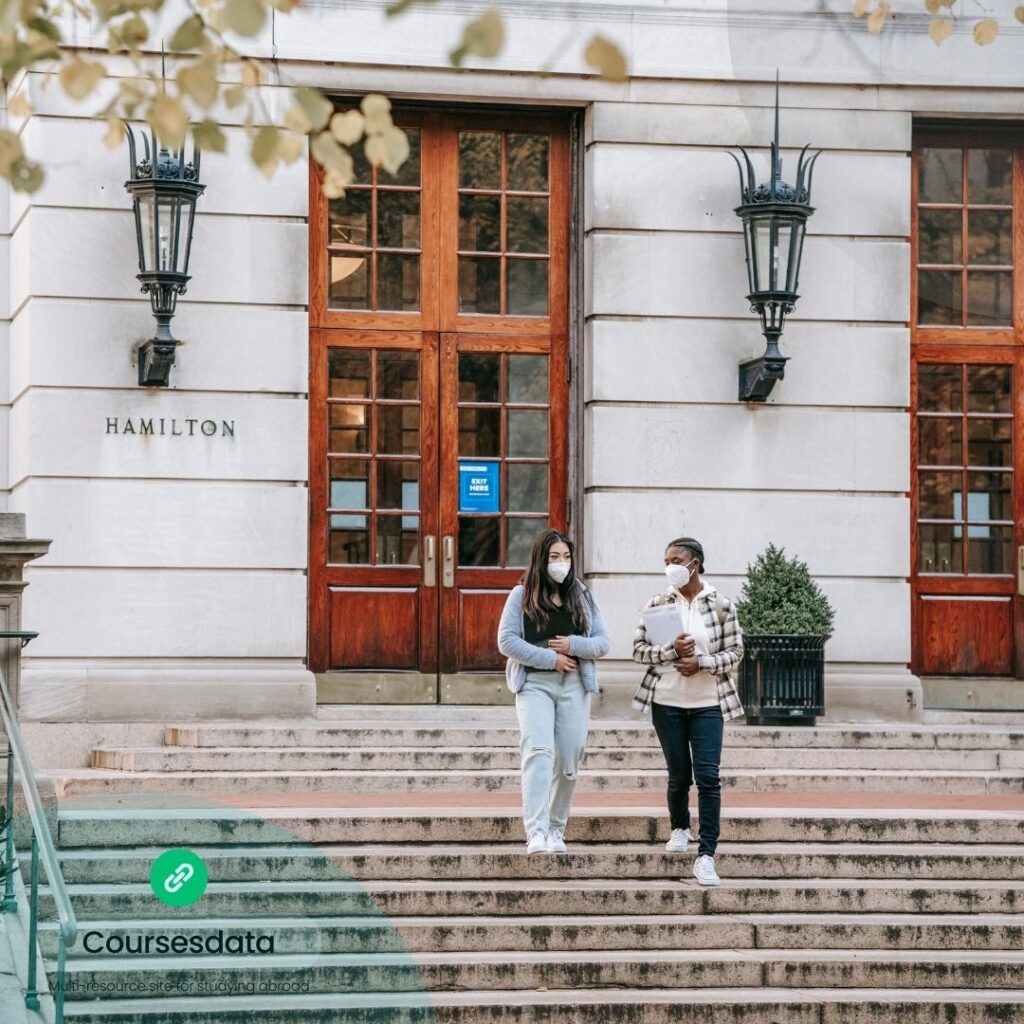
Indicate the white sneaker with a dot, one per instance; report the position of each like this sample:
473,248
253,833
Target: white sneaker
679,840
537,843
556,842
704,870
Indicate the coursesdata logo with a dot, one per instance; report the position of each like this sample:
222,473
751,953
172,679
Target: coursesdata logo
178,877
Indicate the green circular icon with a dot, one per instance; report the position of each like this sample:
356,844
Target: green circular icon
178,877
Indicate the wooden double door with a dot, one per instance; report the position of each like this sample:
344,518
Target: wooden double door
438,403
967,386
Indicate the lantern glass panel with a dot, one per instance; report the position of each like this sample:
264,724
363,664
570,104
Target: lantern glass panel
780,253
794,255
763,250
146,205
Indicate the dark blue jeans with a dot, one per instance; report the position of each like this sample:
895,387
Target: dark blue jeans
691,739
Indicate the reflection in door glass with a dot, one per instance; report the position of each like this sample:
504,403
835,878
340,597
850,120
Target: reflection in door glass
528,487
348,372
990,550
479,540
527,433
521,534
940,548
528,287
989,389
479,377
940,441
528,379
480,433
398,540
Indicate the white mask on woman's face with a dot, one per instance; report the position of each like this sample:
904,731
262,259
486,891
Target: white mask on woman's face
679,575
559,570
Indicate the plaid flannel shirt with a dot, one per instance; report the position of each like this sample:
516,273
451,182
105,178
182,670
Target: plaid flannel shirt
725,646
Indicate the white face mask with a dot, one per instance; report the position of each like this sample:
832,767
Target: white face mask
559,570
679,575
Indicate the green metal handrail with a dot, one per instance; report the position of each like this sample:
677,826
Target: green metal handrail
42,847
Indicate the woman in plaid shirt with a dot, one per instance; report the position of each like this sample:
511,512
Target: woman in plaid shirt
693,698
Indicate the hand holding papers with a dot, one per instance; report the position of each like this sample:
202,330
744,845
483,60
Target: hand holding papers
663,623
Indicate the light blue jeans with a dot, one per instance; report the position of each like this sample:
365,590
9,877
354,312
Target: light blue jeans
554,714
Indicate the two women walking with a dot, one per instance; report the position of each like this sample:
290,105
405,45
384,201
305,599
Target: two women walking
552,631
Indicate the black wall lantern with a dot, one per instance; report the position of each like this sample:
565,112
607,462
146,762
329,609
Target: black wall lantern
164,189
774,218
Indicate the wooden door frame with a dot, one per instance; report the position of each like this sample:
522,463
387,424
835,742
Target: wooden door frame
567,308
938,344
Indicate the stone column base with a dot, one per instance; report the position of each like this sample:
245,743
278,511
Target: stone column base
125,690
853,693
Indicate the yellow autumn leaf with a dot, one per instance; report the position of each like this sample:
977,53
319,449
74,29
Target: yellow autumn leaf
264,149
607,58
985,31
115,132
315,106
20,106
1018,13
389,150
376,112
484,35
860,8
78,78
878,17
347,127
169,120
334,185
199,83
291,146
933,6
234,96
209,136
295,120
246,17
10,151
331,156
252,74
940,29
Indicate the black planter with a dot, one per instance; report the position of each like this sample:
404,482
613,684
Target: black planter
782,677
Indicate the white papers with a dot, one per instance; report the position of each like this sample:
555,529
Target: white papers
663,623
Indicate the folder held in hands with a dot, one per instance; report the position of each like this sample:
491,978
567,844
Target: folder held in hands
663,623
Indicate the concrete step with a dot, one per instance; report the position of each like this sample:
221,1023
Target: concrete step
575,1006
175,826
85,781
602,734
959,864
319,759
391,973
581,897
317,935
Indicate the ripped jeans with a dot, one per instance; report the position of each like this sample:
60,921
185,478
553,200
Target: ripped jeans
554,714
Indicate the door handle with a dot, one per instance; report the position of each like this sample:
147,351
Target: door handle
1020,569
430,561
448,566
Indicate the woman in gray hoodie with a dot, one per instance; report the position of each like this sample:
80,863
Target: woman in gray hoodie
551,631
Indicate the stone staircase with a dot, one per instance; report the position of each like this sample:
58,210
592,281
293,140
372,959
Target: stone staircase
853,890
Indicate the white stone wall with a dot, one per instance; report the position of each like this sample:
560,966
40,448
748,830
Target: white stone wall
176,582
176,586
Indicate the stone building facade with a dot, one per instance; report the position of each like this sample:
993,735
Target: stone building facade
183,578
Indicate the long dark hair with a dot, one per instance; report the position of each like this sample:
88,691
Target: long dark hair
539,586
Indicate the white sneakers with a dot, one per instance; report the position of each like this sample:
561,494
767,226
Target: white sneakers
556,842
679,840
704,870
553,842
537,843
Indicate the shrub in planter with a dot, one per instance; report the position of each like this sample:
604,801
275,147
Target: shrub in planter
786,620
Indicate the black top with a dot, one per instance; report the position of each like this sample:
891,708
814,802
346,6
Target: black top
559,624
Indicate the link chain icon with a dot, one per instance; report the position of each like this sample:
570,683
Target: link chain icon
178,877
